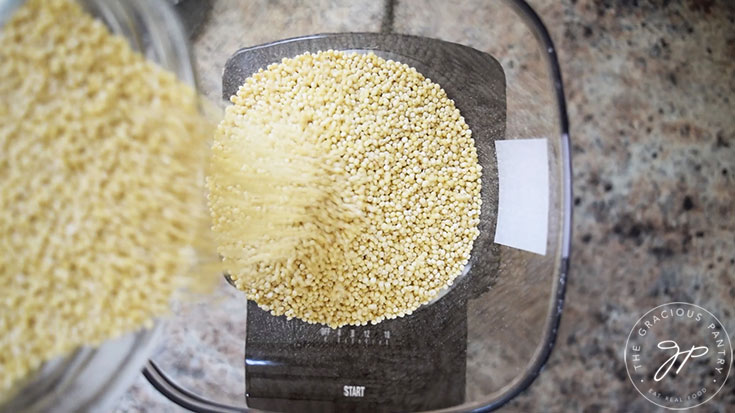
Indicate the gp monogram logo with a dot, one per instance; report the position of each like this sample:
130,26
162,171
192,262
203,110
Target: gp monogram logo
678,355
694,352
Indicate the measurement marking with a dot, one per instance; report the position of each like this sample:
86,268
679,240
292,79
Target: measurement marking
324,331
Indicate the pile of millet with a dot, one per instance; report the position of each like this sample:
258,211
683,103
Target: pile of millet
398,201
343,188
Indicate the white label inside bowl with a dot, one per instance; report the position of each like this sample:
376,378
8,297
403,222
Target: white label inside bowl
523,199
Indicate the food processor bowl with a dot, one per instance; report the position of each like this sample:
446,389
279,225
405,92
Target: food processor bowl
485,339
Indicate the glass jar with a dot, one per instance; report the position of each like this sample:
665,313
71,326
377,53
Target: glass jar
90,379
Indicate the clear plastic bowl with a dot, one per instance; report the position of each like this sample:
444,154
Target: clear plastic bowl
510,300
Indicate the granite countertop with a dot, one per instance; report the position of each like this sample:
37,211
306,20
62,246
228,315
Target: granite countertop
650,87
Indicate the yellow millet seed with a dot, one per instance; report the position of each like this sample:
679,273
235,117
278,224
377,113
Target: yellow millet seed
390,144
102,158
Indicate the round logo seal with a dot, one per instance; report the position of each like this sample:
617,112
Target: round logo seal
678,355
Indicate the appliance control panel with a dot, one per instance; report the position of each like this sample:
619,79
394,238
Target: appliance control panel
417,362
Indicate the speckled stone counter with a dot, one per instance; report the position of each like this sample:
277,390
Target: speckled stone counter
651,94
